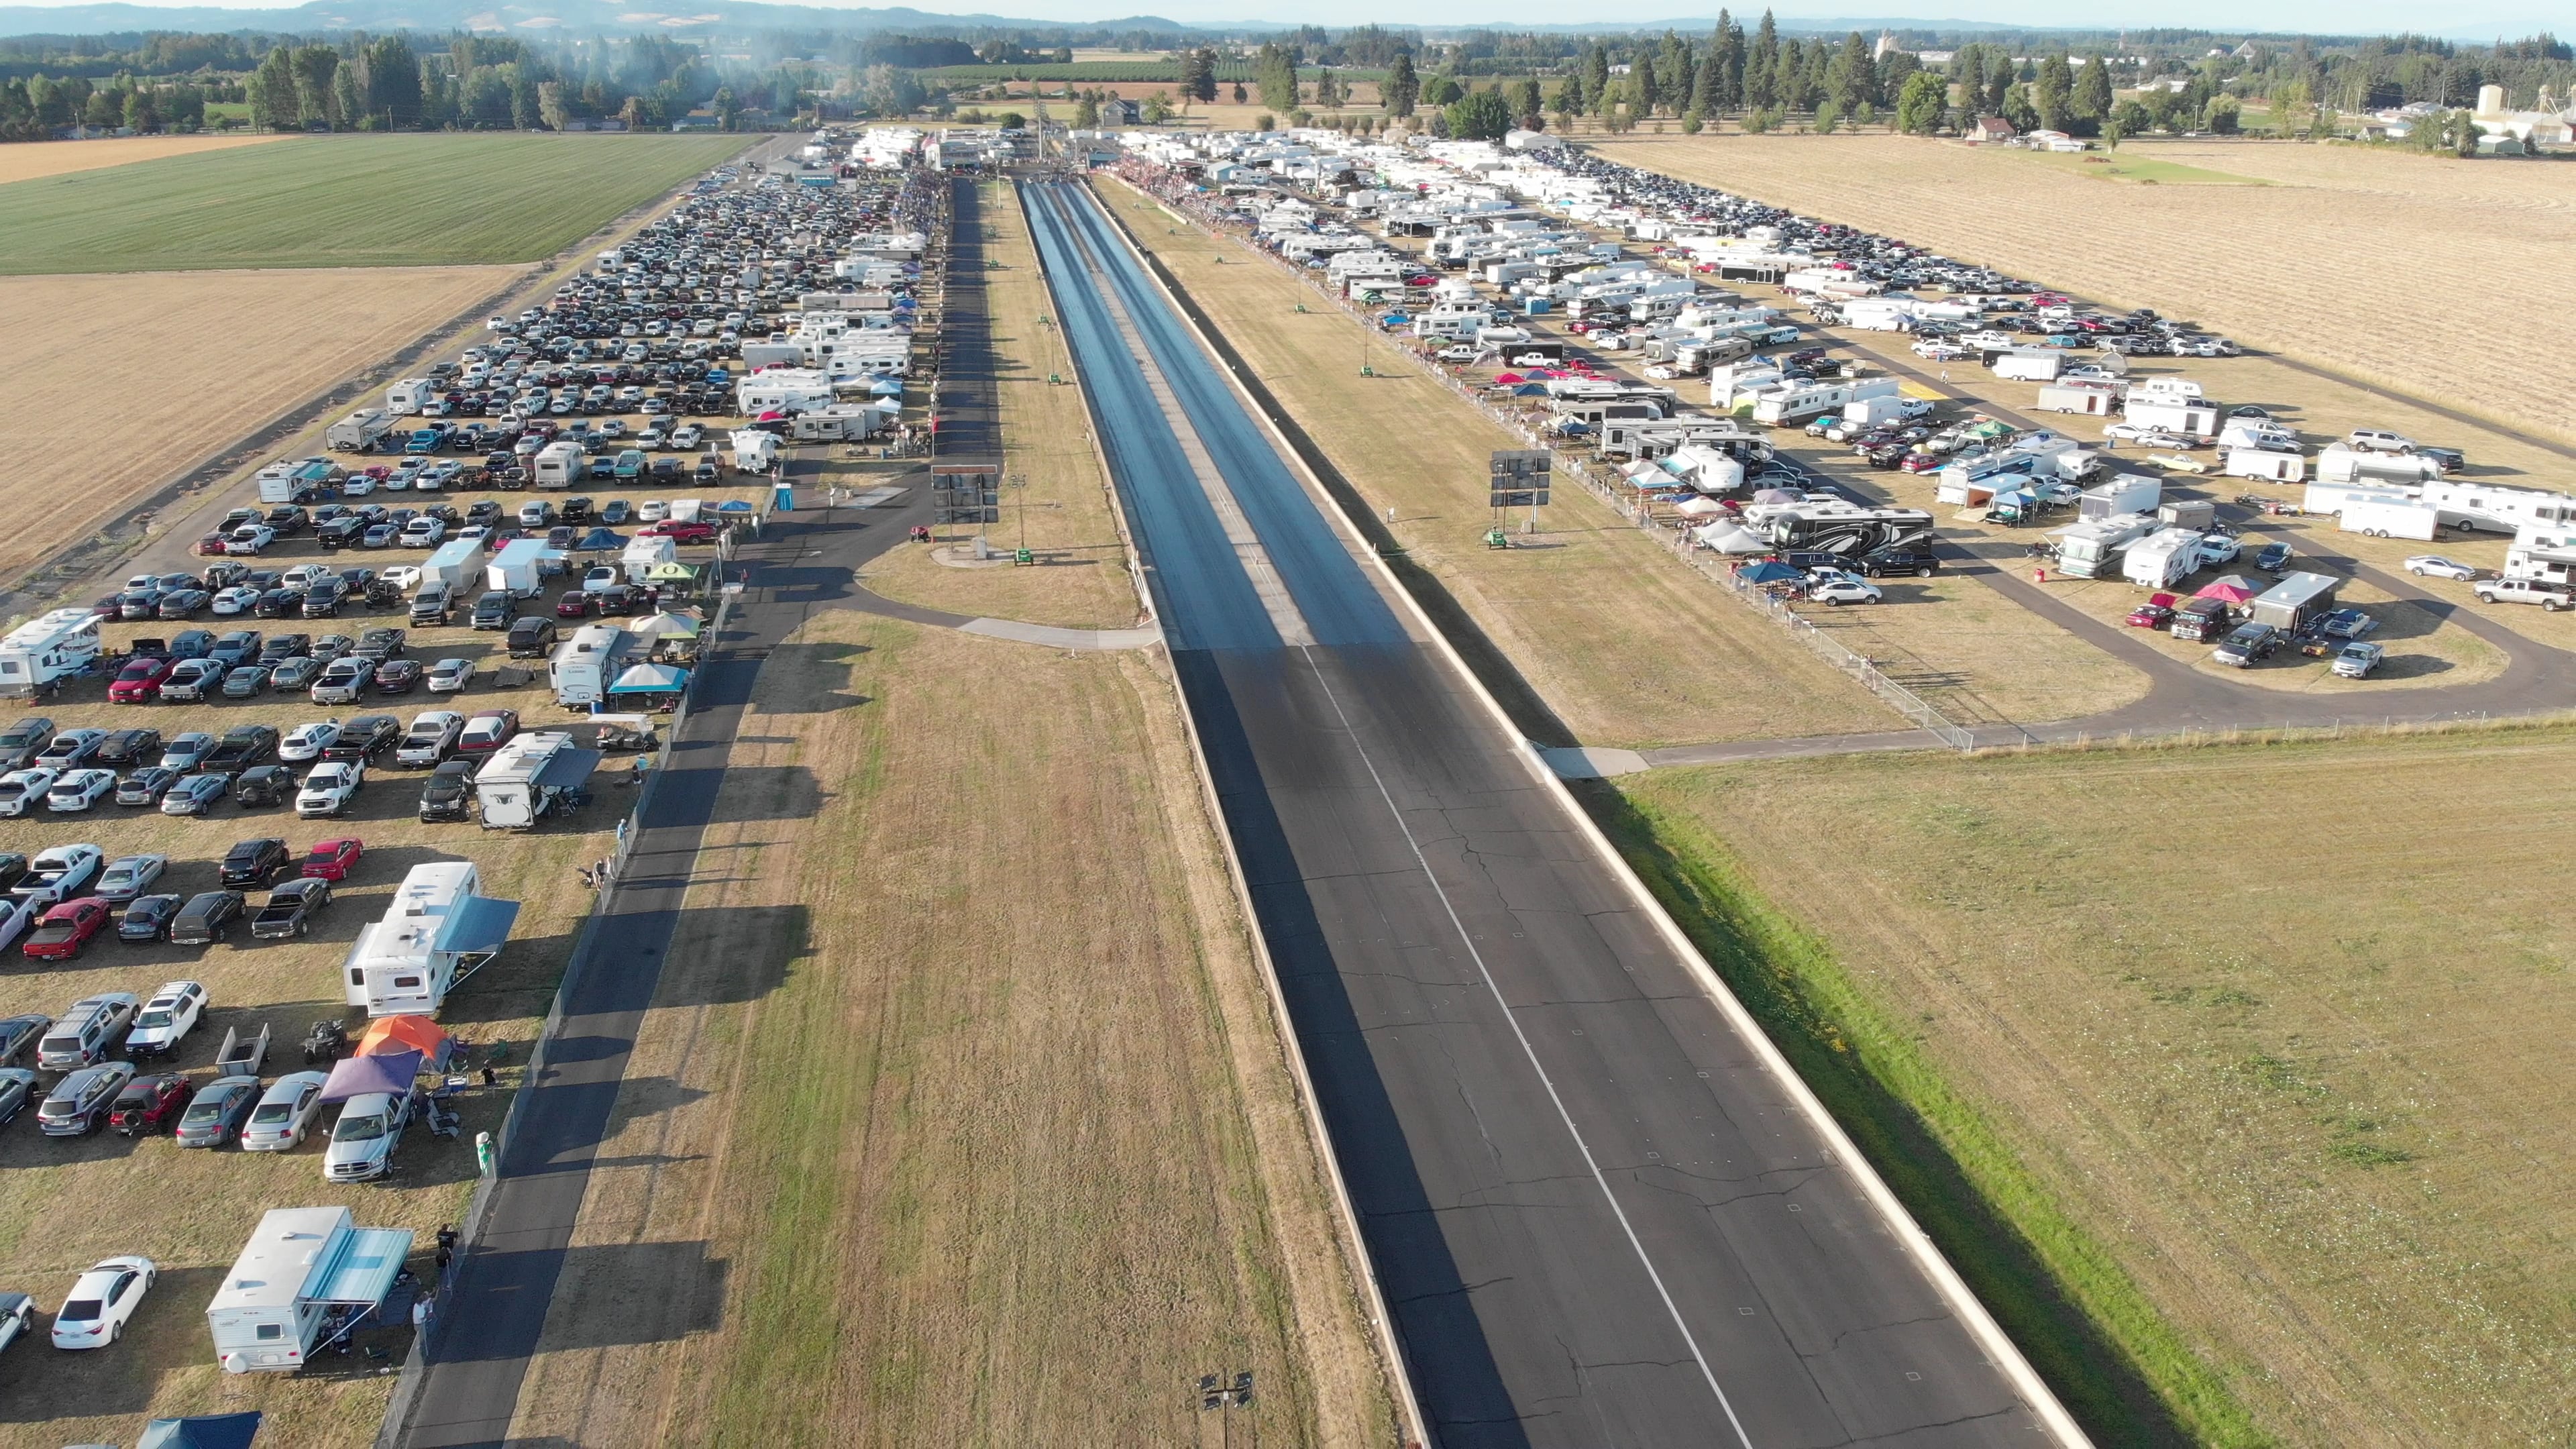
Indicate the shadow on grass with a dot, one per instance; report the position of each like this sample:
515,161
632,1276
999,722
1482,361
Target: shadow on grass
2115,1364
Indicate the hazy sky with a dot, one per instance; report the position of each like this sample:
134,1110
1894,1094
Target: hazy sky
2475,19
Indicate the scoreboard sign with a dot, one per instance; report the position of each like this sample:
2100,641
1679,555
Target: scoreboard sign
966,493
1520,477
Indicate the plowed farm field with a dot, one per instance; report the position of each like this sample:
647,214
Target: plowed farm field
2442,278
61,158
119,382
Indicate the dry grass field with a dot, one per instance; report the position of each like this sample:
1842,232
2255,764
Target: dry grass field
65,1204
1625,644
25,163
961,1095
2440,278
119,382
2292,1070
1082,580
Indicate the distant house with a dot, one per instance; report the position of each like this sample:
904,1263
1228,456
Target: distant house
1990,129
694,121
2054,141
1121,113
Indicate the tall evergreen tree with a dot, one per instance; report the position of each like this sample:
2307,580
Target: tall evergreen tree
1727,50
1596,74
2053,94
1762,66
2093,90
1402,87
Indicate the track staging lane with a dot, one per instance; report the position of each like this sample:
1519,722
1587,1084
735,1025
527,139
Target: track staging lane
1595,1215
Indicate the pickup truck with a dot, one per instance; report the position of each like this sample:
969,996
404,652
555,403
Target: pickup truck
242,748
2550,597
290,908
364,1139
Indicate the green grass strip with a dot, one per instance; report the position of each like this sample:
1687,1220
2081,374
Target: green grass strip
344,201
2084,1323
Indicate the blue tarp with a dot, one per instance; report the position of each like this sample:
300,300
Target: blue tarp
360,1267
204,1431
601,538
482,925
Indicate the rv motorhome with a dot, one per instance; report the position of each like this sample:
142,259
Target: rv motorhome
437,932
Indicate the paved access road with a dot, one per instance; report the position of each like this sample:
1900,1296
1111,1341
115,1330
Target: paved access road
1596,1217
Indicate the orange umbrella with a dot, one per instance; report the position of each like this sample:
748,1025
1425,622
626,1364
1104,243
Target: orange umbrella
402,1034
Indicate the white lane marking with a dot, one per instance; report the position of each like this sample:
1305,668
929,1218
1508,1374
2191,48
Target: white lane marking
1527,1050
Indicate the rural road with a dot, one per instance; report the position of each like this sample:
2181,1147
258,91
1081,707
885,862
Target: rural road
1595,1214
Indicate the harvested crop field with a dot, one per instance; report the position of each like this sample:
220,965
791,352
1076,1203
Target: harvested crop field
2456,265
960,1116
1623,643
345,201
118,383
2287,1077
26,162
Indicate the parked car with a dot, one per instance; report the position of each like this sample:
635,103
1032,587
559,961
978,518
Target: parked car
124,749
187,751
79,790
432,738
166,1019
330,788
65,930
2358,660
139,682
2247,644
102,1302
82,1101
19,1090
2152,615
487,730
2433,565
367,738
242,748
216,1117
23,790
2272,557
450,676
87,1031
333,859
20,741
342,681
19,1035
254,864
2550,597
262,786
60,873
71,749
1837,589
285,1113
495,609
206,919
398,676
129,876
194,794
363,1140
290,909
148,918
533,637
150,1105
448,794
308,741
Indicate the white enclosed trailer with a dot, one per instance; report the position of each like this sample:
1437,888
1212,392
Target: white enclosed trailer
2265,465
2390,516
454,563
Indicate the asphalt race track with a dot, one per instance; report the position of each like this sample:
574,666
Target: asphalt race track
1595,1217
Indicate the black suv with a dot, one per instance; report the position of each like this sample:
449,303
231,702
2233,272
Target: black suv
495,609
533,638
449,794
254,864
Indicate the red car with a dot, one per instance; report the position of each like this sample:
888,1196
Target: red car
686,531
150,1105
487,730
575,604
61,932
213,545
1921,463
333,859
139,682
2155,613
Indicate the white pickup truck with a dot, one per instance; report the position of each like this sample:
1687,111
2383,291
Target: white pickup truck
2550,597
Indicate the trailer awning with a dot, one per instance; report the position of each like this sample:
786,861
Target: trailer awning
360,1268
483,925
563,770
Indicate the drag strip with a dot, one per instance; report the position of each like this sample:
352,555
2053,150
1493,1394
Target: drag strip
1595,1215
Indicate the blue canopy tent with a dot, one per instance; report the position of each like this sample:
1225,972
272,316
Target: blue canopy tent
651,679
1768,571
600,540
202,1431
391,1073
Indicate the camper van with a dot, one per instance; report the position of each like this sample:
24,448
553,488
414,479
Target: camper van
44,651
2163,558
530,778
437,932
754,449
2091,549
587,663
307,1278
1797,403
410,396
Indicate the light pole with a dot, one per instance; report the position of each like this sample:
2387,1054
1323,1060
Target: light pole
1019,483
1222,1398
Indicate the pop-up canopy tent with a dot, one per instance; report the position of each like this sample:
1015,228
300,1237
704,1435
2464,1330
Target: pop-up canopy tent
651,679
202,1431
600,540
389,1072
2232,589
1768,571
419,1034
665,625
1728,536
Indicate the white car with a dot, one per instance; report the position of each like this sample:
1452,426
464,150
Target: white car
17,1317
652,510
166,1019
95,1312
308,741
448,676
285,1113
235,599
1938,349
129,876
2380,440
78,790
21,789
401,576
249,539
330,788
429,739
2434,565
357,485
687,437
2219,548
1838,589
301,576
424,533
17,916
1988,339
